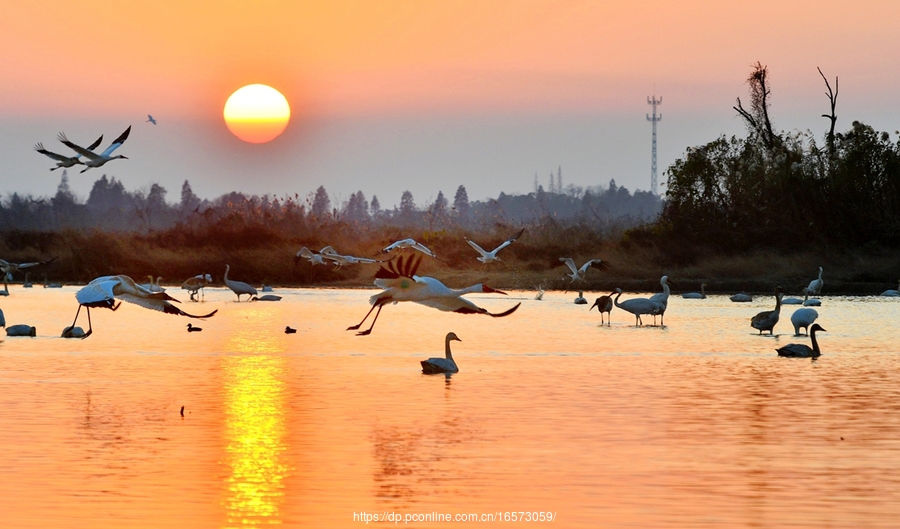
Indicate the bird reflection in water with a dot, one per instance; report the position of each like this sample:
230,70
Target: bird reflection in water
255,432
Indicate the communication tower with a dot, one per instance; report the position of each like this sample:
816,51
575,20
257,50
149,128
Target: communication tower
653,119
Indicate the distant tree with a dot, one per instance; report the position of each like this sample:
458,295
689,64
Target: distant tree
559,184
375,207
64,196
189,201
106,195
407,207
357,207
461,202
321,206
438,210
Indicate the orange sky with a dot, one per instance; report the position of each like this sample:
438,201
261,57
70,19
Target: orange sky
429,60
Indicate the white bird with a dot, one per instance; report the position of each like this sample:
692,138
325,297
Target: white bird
153,286
803,318
313,257
766,320
604,304
540,294
267,288
580,300
62,160
21,330
9,268
94,159
196,284
792,301
150,119
742,297
238,287
810,302
638,306
799,350
267,297
662,298
442,365
892,293
815,286
487,257
401,284
72,332
578,273
696,295
341,260
103,292
409,243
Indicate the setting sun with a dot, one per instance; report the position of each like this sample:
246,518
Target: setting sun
257,113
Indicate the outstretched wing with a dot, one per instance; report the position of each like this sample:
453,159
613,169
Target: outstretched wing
117,142
597,263
570,263
77,148
478,249
509,241
462,305
58,157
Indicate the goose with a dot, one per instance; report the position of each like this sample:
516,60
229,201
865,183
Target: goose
892,293
193,328
766,320
401,284
696,295
810,302
94,159
62,160
150,119
409,243
21,330
815,286
238,287
580,300
103,292
662,298
289,330
488,257
638,306
578,273
799,350
434,366
604,304
803,318
742,297
195,284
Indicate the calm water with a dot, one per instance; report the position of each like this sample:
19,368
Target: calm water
697,424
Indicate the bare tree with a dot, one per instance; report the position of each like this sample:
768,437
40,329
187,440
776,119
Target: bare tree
757,117
832,98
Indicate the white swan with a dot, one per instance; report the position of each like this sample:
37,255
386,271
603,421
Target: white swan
580,300
892,293
94,159
409,243
442,365
815,286
810,302
741,297
696,295
799,350
401,284
803,318
21,330
487,257
238,287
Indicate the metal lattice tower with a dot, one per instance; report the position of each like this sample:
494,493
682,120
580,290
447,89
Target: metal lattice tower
653,101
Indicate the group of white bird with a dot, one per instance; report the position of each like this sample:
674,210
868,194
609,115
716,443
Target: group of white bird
92,159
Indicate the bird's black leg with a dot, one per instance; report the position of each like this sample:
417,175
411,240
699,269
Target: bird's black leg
363,320
369,330
90,327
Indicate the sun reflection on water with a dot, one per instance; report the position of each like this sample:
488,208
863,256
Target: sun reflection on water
255,430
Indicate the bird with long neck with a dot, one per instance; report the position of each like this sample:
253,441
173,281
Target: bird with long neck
638,306
442,365
766,320
604,304
238,287
799,350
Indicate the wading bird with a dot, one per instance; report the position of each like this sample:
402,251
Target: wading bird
578,273
803,318
409,243
815,286
604,304
487,257
103,292
638,306
434,366
238,287
580,300
799,350
766,320
94,159
401,284
662,298
9,269
196,284
62,160
696,295
891,293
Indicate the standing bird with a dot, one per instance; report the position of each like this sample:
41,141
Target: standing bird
193,328
238,287
487,257
815,286
696,295
604,304
433,366
578,273
196,284
892,293
103,292
803,318
638,306
766,320
580,300
662,298
401,284
409,243
9,268
62,160
153,286
94,159
799,350
150,119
